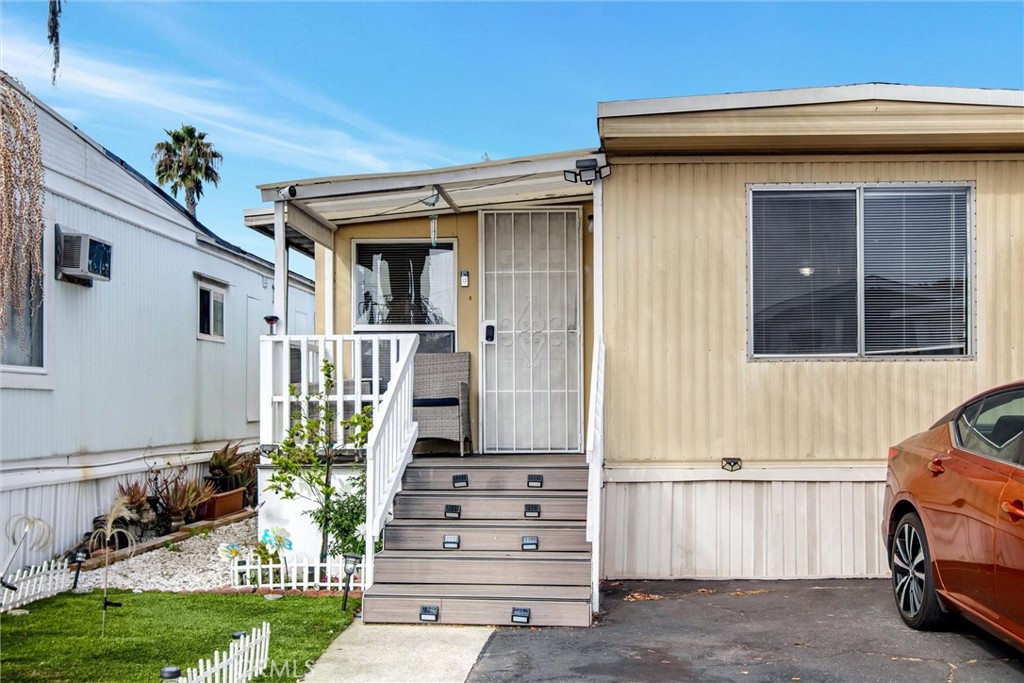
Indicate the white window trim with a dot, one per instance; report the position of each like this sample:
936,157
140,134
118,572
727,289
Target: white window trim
859,187
42,379
214,287
364,328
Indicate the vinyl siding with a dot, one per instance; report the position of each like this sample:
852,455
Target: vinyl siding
680,387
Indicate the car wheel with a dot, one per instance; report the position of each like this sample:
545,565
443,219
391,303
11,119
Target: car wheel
913,584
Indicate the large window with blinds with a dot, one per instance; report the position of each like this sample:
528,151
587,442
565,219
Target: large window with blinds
406,286
861,271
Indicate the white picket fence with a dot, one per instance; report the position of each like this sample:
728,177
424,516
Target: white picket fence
245,659
35,583
293,573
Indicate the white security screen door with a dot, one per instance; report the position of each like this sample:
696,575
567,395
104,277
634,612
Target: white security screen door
531,336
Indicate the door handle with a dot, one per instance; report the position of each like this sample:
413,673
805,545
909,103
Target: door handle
488,329
936,467
1014,509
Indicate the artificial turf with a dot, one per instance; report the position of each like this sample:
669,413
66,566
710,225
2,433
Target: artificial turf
59,639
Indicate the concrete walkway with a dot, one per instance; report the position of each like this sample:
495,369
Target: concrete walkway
400,654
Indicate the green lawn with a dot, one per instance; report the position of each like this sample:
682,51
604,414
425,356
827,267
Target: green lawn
59,640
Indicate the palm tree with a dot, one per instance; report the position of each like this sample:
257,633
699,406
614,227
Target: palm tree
186,161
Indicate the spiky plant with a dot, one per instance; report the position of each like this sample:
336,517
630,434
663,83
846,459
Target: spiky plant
107,536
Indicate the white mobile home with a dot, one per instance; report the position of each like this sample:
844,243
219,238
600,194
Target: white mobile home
157,365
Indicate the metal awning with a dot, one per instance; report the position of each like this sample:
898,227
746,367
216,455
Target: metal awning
315,207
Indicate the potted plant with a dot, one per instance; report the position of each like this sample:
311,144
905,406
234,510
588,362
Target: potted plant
225,465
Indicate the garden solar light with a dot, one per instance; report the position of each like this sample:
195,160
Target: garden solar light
170,673
350,568
80,556
271,320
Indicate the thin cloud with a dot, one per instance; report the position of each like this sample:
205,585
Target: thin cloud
86,82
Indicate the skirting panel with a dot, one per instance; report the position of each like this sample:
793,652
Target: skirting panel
743,529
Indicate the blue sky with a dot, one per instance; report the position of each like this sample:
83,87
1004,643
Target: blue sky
296,90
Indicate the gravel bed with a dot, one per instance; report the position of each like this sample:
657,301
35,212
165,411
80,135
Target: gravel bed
195,568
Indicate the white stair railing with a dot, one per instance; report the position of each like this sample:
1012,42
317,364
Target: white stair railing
369,369
389,449
595,462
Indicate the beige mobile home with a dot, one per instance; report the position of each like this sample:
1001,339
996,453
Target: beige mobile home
796,280
689,350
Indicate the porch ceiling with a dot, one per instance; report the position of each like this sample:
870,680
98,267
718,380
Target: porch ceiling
345,200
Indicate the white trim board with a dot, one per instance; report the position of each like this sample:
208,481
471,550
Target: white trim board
797,96
835,471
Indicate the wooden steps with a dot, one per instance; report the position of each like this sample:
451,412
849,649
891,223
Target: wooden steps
498,534
475,538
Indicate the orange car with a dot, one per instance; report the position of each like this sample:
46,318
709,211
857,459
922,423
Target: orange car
954,517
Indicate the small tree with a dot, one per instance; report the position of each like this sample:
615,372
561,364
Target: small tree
307,454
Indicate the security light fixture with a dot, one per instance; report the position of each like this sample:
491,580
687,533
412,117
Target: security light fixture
535,481
530,543
520,615
432,200
806,271
429,613
460,481
588,171
732,464
531,510
452,511
450,542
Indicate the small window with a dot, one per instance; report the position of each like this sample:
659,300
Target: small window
406,287
993,427
211,312
21,345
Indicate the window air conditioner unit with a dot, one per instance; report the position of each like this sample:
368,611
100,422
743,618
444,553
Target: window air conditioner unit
85,256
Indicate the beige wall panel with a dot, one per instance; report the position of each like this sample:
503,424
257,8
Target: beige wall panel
464,228
679,385
743,529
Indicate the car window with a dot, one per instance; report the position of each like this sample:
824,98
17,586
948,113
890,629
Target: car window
994,426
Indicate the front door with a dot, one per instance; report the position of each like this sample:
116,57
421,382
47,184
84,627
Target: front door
531,336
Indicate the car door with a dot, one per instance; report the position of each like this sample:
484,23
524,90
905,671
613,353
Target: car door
962,500
1009,553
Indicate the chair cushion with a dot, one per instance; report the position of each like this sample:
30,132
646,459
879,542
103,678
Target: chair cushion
434,402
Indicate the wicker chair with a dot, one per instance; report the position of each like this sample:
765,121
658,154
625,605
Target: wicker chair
440,402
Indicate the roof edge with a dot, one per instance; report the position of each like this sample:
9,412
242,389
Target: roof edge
760,99
496,163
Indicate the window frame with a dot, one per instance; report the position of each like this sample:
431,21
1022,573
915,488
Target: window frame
858,188
32,377
214,287
366,328
1016,455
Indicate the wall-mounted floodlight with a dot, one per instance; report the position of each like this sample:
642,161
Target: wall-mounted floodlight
588,171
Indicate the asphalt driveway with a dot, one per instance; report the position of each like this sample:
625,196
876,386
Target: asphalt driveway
808,631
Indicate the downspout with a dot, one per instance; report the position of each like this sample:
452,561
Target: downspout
596,541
